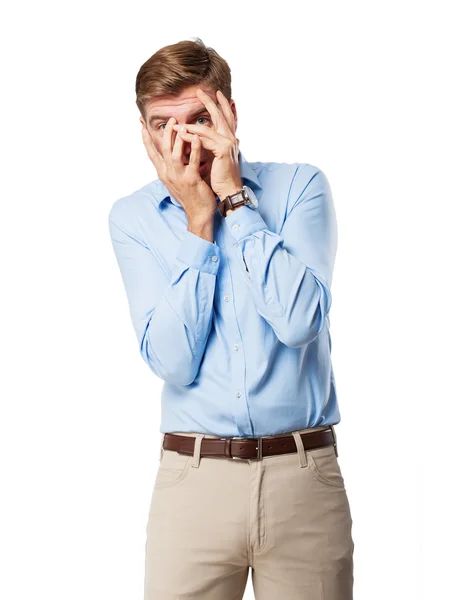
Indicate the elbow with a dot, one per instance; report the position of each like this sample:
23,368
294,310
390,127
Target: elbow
296,337
305,329
180,377
178,371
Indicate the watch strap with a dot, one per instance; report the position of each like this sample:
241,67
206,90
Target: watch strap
232,201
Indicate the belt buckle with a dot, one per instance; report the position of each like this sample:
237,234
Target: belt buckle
259,448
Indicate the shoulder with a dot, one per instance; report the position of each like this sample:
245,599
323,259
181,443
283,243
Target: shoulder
309,183
296,173
307,174
125,210
296,181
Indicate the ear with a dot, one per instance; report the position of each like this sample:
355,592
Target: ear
234,112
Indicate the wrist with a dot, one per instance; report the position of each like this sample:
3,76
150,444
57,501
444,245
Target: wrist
230,190
202,228
232,210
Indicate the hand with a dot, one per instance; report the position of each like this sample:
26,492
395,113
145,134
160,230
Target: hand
225,176
184,182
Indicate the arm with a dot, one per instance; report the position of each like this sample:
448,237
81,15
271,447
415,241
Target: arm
171,315
289,275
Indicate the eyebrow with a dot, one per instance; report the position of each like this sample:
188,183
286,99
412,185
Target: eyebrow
192,116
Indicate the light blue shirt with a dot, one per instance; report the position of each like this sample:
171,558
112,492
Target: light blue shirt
237,328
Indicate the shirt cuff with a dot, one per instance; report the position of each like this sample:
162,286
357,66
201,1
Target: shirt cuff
244,221
199,253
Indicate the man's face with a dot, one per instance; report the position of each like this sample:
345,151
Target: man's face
185,108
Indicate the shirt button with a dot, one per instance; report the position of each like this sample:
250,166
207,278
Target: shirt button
238,394
226,298
235,226
214,258
236,346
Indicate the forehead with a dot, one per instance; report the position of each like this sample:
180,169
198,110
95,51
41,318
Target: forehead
184,103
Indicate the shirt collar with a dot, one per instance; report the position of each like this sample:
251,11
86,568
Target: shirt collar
247,174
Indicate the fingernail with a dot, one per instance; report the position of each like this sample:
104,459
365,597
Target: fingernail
182,129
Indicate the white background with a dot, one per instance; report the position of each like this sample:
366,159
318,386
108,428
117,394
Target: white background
357,89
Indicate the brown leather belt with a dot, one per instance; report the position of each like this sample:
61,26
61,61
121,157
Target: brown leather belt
255,448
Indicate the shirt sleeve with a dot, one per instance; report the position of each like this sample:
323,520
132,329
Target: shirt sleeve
289,274
171,314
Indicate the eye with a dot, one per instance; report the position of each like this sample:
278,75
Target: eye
163,124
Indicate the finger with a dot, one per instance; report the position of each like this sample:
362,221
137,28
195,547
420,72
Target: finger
217,116
167,141
151,149
226,108
202,131
206,143
195,153
177,151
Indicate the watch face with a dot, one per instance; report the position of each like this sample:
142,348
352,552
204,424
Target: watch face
251,195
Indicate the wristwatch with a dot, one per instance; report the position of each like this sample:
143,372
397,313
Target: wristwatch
245,196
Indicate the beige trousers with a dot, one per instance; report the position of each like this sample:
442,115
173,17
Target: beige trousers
285,516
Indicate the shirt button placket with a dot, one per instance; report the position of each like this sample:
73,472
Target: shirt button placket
238,372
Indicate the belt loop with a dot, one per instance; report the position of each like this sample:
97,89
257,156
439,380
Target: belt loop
197,450
162,447
335,439
300,448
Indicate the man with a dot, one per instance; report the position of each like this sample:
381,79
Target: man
227,266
